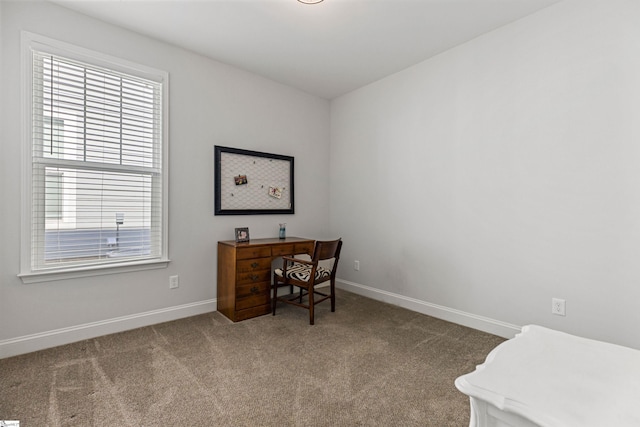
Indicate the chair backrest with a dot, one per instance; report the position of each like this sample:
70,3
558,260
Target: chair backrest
327,249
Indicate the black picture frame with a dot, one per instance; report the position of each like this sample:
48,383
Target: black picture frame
242,234
252,182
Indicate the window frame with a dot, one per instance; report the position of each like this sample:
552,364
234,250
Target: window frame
29,43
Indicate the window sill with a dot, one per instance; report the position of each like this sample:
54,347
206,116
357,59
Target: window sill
98,270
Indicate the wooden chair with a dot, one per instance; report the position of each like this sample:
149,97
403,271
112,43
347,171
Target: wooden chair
306,275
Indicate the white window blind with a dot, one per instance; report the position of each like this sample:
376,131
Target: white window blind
97,178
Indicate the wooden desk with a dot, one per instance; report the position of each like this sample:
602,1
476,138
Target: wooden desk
244,273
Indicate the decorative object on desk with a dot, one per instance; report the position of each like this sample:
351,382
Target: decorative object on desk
282,234
242,234
235,195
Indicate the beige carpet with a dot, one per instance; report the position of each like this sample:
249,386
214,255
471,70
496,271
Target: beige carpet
367,364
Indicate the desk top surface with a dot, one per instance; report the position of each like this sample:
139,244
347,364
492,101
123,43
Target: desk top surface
267,241
556,379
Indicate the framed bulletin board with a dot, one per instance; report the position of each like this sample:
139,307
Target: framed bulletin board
252,183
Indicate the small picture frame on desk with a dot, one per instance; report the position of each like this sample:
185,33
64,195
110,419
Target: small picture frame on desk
242,234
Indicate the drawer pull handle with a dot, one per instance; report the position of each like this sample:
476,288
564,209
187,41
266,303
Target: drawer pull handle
254,265
255,290
254,277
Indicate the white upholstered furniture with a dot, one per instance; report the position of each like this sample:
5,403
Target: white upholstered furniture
544,377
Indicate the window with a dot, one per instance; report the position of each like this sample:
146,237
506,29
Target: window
53,195
95,193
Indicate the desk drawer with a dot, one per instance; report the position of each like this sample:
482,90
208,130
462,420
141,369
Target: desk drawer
304,248
253,252
282,250
252,295
253,277
249,313
247,265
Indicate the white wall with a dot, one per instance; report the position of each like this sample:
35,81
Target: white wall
474,186
210,104
481,183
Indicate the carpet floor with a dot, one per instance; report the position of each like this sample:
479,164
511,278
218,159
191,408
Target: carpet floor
367,364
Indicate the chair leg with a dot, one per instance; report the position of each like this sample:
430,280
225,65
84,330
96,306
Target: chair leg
275,296
311,313
333,296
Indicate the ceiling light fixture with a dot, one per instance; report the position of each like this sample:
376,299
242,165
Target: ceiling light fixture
310,1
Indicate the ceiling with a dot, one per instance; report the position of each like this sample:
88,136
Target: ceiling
326,49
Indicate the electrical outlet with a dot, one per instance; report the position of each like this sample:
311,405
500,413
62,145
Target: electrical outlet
356,265
174,282
558,306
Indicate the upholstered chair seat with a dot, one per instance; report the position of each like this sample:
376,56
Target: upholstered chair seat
303,272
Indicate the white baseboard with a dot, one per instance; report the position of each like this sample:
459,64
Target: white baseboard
41,341
485,324
54,338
